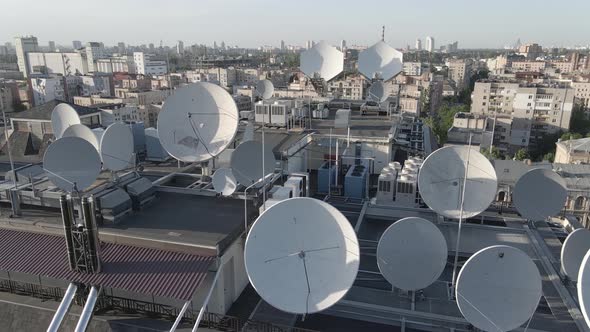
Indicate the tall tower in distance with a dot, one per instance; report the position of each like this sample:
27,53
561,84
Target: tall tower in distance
418,44
23,46
429,44
343,45
180,47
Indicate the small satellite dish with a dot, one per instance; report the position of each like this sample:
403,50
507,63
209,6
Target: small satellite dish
539,193
574,248
246,162
380,61
197,122
63,116
224,181
441,179
265,89
71,163
85,133
377,92
584,287
302,255
498,288
116,147
404,260
323,60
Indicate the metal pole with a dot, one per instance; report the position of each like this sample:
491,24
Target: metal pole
330,166
15,209
86,314
263,174
180,315
202,311
63,308
493,130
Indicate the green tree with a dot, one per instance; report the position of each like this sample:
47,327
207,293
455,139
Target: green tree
521,155
550,157
571,135
495,154
443,121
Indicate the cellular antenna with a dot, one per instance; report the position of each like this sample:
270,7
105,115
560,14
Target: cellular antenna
383,33
302,255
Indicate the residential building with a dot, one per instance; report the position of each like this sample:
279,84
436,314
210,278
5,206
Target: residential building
92,100
531,51
51,46
23,46
120,64
414,68
573,151
6,98
351,87
94,51
53,63
460,72
430,44
142,98
224,77
76,44
146,64
121,48
180,47
418,44
582,93
46,89
528,66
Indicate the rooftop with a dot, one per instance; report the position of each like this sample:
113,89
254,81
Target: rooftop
43,112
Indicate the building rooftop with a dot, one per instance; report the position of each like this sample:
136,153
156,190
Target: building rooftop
43,112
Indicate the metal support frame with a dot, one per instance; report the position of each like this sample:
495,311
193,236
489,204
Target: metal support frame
63,308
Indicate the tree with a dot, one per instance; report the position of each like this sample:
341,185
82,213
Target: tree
521,155
495,154
443,121
550,157
571,135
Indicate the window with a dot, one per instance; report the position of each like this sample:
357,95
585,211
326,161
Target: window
529,104
530,97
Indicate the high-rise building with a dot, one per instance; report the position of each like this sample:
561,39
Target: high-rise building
343,45
180,47
430,44
77,44
52,46
122,49
282,45
418,44
309,44
223,45
151,47
214,45
460,71
25,45
94,51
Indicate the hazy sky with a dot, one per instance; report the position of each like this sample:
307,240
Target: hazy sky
249,23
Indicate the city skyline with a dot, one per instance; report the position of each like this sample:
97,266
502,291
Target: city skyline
267,23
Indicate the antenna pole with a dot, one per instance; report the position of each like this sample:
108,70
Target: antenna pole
383,33
330,166
15,210
263,174
460,219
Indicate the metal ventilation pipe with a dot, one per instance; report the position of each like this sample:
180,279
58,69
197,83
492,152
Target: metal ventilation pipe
86,314
67,218
92,231
63,308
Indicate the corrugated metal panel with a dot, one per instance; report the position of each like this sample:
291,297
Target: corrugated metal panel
136,269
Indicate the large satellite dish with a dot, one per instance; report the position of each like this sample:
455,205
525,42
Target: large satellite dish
403,258
116,147
377,92
323,60
246,162
71,163
265,89
498,288
197,122
302,255
539,193
584,287
441,179
380,61
63,116
574,248
224,181
85,133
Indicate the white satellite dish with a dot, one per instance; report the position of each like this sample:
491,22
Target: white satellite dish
98,132
380,61
323,60
265,89
302,255
85,133
63,116
584,287
403,258
574,248
539,193
498,288
71,163
246,162
441,179
116,147
377,92
197,122
224,181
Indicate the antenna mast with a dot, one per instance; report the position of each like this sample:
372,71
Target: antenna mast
383,33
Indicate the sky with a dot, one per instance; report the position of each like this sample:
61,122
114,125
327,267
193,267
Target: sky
252,23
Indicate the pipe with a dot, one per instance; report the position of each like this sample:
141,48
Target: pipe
202,311
86,314
92,231
180,315
66,217
63,308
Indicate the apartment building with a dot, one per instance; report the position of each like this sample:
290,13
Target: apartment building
351,87
460,72
23,46
53,63
528,66
582,93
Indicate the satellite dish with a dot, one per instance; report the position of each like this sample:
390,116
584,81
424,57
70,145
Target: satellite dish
404,260
539,193
197,122
323,60
380,61
246,162
584,287
63,116
498,288
116,147
265,89
224,181
302,255
98,132
85,133
377,92
574,248
71,163
441,179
